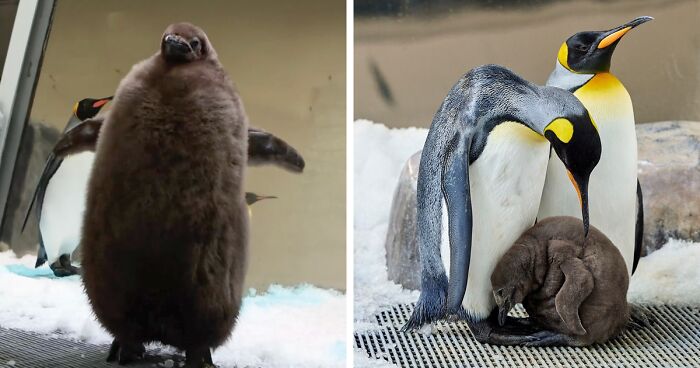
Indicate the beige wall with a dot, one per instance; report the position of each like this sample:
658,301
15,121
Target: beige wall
422,56
288,61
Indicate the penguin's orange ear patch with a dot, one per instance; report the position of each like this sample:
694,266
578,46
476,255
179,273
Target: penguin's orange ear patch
562,128
99,103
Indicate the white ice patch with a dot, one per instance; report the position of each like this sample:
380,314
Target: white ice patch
300,326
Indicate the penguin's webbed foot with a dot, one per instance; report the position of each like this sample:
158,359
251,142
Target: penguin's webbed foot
63,267
515,331
550,338
125,353
199,358
640,317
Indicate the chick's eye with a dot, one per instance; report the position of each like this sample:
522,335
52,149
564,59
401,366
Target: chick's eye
194,43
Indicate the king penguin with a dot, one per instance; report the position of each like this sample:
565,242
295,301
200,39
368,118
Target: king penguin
583,68
60,197
486,156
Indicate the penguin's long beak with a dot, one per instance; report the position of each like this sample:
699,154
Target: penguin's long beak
101,102
581,186
612,36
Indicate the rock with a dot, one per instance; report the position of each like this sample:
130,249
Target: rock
669,173
401,247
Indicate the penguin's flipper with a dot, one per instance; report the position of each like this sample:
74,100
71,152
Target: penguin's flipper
80,138
266,148
52,165
41,256
578,285
638,228
455,189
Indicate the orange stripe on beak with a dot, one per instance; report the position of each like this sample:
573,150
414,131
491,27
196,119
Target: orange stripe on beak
99,103
609,39
578,191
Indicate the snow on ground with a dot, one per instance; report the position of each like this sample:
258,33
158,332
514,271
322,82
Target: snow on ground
301,326
668,276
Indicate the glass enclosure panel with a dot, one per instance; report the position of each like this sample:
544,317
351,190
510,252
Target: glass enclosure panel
8,9
408,53
289,66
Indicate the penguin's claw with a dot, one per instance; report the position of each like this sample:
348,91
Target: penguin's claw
548,338
640,317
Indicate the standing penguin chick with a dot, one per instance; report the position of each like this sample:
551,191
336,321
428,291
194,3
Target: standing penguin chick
166,228
574,287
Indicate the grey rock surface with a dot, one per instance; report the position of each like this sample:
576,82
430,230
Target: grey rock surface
403,263
669,173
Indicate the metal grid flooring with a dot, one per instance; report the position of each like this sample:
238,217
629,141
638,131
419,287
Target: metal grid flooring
20,349
673,340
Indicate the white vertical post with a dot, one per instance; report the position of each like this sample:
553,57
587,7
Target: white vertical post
14,62
19,78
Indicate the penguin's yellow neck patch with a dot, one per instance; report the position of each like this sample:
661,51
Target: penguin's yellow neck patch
75,108
562,128
563,56
513,129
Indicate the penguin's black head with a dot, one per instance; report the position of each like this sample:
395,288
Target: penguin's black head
590,52
576,141
89,107
183,43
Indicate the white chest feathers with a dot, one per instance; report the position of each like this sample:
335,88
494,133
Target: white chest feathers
64,205
506,183
613,184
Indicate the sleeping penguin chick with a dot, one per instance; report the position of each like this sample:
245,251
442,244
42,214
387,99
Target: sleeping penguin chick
573,288
165,231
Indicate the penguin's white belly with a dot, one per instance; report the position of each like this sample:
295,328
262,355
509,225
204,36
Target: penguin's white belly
612,190
64,205
506,185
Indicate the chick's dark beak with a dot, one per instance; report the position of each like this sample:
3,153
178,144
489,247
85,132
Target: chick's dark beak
612,36
175,47
503,300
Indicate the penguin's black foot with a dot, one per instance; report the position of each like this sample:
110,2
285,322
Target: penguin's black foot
515,331
199,358
125,353
640,317
550,338
63,267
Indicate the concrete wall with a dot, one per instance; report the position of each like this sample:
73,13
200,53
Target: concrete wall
288,61
421,51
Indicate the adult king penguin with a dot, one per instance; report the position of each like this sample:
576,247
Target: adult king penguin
60,197
583,68
486,155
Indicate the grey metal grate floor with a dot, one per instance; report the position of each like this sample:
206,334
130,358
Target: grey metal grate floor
672,341
20,349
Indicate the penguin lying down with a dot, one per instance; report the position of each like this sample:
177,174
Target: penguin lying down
573,287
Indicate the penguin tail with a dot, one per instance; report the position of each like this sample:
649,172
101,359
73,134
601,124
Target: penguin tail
39,262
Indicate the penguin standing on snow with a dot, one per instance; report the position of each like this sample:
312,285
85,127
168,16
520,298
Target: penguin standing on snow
583,68
60,197
486,155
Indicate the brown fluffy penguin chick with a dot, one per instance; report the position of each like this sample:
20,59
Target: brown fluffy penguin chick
166,228
574,288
